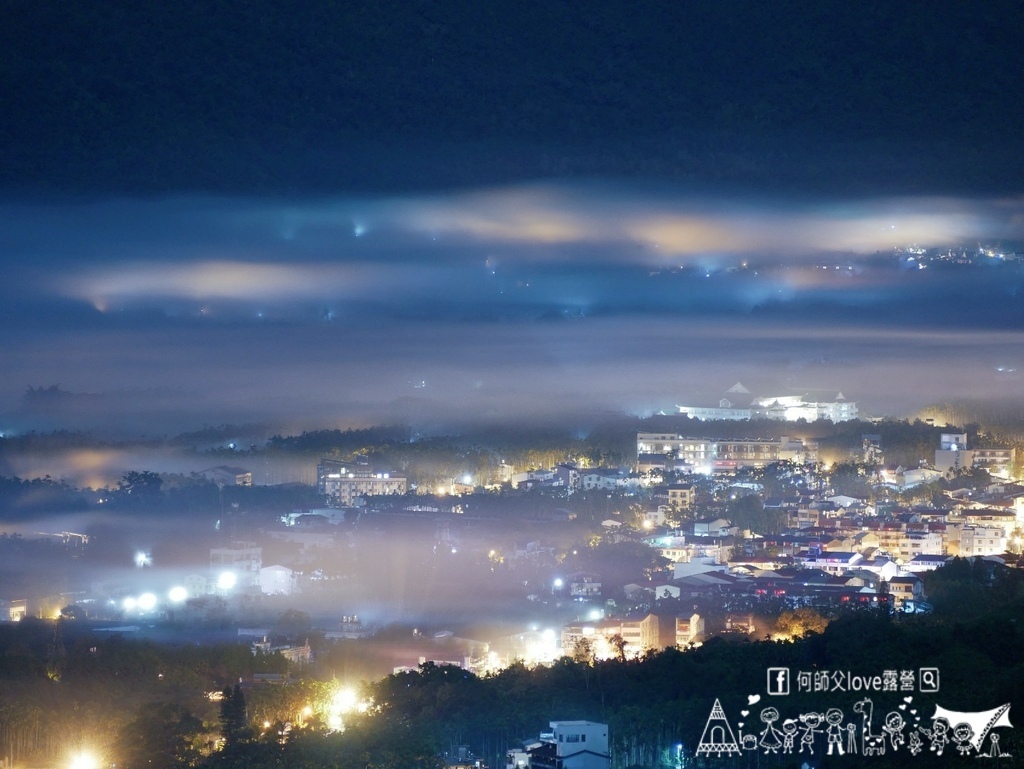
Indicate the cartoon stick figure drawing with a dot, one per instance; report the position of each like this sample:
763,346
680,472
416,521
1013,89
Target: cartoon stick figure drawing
770,736
789,728
893,726
962,735
994,751
851,738
937,735
914,743
834,731
811,722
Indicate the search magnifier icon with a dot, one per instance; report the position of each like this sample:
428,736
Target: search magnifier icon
928,679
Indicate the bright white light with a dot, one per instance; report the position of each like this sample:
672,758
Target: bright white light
596,614
344,700
142,559
129,603
559,583
147,602
467,479
84,761
227,580
177,594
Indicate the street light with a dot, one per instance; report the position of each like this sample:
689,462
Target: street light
177,594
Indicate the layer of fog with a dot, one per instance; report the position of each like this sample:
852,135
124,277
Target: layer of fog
430,374
534,302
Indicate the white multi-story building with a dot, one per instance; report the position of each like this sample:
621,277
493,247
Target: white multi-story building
681,496
790,408
786,408
242,561
697,453
980,540
688,629
569,745
343,482
724,410
915,543
953,456
703,455
575,737
638,636
277,580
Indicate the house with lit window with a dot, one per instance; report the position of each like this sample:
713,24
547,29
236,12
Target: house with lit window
906,591
688,629
681,496
569,745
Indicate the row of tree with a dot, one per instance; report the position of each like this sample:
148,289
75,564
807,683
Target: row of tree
153,703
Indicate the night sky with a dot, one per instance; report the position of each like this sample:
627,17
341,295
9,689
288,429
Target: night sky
445,212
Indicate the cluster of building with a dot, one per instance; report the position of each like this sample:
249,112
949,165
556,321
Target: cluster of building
570,478
658,453
675,452
980,255
235,570
833,550
836,550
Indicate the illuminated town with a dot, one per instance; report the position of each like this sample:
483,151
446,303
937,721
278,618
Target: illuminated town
459,385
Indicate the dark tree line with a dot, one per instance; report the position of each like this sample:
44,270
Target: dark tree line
152,700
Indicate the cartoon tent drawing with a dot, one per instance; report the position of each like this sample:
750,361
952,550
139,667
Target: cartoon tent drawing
981,722
718,737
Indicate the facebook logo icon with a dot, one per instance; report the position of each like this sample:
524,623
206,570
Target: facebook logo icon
778,681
